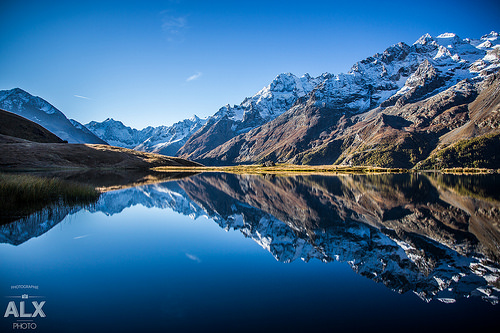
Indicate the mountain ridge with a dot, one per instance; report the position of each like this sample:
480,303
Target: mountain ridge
46,115
401,77
396,108
165,140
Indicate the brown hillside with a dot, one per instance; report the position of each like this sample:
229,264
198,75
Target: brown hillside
16,126
21,154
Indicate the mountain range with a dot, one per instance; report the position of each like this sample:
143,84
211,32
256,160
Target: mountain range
164,140
396,108
432,104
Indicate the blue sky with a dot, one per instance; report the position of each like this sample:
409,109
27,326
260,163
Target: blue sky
158,62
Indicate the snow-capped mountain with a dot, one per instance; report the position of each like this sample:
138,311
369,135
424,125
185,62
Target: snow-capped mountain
44,114
229,121
270,101
164,140
403,73
267,104
117,134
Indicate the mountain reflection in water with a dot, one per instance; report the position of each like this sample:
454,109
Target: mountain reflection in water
436,235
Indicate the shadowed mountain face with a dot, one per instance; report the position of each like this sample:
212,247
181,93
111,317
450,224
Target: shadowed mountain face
435,235
13,125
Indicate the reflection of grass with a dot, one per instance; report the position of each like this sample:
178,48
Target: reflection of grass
22,195
467,170
482,186
289,168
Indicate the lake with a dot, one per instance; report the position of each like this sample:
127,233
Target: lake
261,253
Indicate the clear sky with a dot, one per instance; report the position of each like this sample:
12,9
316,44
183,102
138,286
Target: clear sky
158,62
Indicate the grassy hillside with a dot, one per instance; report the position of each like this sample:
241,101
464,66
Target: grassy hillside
480,152
25,155
16,126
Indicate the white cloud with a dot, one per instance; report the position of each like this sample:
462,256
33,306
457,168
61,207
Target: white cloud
79,96
194,77
193,257
173,26
80,237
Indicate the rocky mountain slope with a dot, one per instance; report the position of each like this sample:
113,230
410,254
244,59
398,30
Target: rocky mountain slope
165,140
270,102
411,105
395,108
43,113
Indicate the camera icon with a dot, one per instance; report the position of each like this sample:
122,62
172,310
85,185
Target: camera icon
24,296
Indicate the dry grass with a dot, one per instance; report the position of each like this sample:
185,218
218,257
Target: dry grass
22,195
25,155
468,171
287,169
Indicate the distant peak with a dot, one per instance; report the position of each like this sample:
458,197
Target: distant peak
284,76
492,34
112,121
424,39
19,91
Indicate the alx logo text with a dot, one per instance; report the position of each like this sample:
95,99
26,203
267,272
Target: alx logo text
23,310
12,309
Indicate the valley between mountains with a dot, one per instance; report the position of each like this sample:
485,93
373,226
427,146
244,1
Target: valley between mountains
433,104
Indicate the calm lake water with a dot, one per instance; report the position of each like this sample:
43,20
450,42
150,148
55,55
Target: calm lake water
233,253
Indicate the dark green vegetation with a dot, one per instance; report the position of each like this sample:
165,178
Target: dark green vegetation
483,186
22,195
478,152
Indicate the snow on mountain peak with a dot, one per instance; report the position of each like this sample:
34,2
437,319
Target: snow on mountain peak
162,139
425,39
43,113
369,83
492,35
20,98
447,35
194,118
